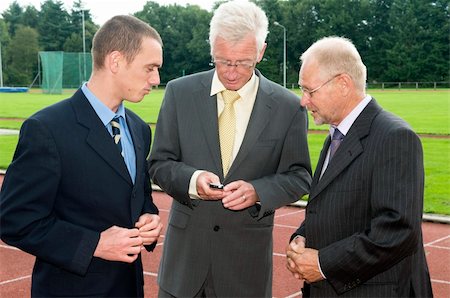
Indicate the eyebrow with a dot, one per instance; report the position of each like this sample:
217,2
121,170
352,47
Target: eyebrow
153,65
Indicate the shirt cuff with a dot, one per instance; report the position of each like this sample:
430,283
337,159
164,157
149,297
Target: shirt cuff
320,269
193,186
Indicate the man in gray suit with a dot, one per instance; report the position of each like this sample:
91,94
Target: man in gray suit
219,241
362,233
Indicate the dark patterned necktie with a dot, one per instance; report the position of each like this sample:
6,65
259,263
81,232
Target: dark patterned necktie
335,142
116,132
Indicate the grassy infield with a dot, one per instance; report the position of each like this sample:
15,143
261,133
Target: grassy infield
426,110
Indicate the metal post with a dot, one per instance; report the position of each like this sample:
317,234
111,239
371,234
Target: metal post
84,46
1,66
284,51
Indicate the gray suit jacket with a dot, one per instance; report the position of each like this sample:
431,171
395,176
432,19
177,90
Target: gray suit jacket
202,235
364,214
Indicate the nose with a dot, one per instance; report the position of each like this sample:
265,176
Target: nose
304,100
231,74
154,78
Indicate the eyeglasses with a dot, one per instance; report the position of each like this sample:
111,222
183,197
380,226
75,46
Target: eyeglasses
245,64
311,92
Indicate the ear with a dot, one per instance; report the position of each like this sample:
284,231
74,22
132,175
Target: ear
113,60
261,53
345,84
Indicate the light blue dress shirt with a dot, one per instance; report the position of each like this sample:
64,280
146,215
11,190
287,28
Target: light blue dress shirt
106,115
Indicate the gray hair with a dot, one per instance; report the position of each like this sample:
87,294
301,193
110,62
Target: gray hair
336,55
234,20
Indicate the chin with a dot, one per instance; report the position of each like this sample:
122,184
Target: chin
318,121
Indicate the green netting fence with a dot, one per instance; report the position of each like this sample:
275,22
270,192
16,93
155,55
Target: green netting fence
64,70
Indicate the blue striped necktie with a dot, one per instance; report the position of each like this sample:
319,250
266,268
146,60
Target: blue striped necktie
115,125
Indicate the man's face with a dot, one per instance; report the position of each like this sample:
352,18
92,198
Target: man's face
138,77
235,62
318,96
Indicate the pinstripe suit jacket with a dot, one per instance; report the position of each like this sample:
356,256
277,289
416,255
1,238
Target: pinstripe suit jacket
202,235
364,214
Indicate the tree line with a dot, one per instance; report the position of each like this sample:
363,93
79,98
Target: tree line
399,40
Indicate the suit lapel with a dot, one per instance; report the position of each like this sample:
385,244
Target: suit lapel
207,113
259,119
321,161
136,136
350,149
138,143
98,137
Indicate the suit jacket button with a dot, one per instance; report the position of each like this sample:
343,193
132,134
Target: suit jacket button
216,228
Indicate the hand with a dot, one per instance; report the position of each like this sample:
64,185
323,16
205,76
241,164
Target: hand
204,191
296,246
304,264
119,244
239,195
150,227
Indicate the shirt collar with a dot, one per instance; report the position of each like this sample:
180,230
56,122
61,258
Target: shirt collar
217,86
103,112
348,121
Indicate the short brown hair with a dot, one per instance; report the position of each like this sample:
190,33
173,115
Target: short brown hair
121,33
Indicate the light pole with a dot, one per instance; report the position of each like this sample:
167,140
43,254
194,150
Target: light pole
84,44
1,66
284,51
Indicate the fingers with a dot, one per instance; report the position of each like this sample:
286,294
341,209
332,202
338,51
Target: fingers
241,195
150,236
235,201
119,244
297,244
150,228
203,186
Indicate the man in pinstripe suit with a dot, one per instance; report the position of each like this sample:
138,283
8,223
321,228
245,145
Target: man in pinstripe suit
362,233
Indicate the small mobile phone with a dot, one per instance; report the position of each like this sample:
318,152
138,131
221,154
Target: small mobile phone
216,185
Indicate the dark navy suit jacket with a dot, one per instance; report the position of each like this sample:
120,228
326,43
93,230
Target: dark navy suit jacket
66,184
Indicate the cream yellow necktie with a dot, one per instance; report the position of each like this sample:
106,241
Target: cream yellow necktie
227,128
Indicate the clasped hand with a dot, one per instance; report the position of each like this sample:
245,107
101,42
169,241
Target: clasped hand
303,262
125,245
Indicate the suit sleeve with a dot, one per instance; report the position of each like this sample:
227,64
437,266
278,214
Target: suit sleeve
396,200
149,205
26,202
166,168
292,178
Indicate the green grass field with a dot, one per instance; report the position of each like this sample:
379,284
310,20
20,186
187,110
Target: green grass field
426,111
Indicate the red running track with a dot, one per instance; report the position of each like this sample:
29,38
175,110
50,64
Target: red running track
16,266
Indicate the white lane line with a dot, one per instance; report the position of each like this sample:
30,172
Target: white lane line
437,246
14,280
440,281
9,247
150,274
279,255
286,226
437,240
298,294
290,213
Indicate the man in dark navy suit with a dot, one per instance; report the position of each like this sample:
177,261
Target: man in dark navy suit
77,194
362,232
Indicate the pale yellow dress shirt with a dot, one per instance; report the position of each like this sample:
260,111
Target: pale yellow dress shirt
243,109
